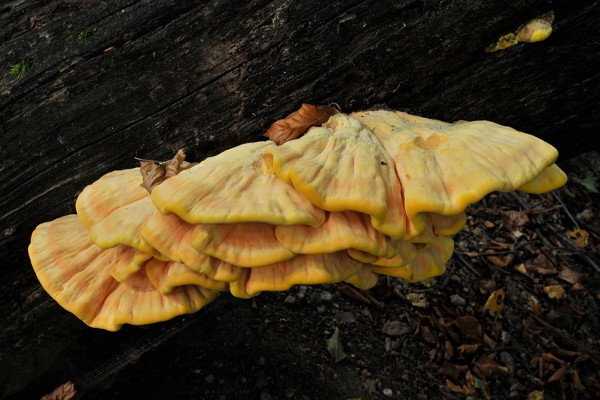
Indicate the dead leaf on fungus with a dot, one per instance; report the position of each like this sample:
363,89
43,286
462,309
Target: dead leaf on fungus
174,165
154,172
297,123
65,391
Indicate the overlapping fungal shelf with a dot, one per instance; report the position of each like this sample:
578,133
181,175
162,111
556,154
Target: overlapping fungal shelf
366,194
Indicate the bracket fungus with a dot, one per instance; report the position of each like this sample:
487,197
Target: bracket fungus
361,195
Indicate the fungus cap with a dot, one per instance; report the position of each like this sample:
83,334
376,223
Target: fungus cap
407,253
210,192
551,178
445,167
446,225
77,274
172,236
245,244
166,276
364,278
304,269
105,195
430,262
340,231
130,262
124,226
341,166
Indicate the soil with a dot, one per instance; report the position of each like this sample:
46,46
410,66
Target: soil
429,340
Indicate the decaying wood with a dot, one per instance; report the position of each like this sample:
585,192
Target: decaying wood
162,75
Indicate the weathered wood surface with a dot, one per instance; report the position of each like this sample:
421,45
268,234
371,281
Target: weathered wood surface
212,75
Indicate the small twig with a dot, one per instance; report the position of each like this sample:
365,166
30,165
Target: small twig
549,256
146,160
356,295
449,274
377,303
564,207
492,253
461,257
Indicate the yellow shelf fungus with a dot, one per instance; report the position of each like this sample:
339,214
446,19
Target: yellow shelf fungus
362,195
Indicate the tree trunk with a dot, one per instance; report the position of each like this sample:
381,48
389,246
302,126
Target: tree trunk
157,76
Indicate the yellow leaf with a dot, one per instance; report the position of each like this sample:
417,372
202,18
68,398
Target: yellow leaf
521,268
417,299
579,237
554,291
536,395
495,302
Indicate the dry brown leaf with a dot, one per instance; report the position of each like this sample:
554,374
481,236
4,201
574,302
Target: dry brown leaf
540,270
500,261
153,174
513,220
65,391
567,274
453,387
488,341
577,287
488,366
173,166
297,123
579,237
577,382
448,350
559,374
567,353
554,291
542,262
503,246
428,334
536,309
469,388
495,302
552,358
369,384
467,348
452,370
489,224
469,327
582,358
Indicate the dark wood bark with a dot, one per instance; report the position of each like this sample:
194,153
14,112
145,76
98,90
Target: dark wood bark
162,75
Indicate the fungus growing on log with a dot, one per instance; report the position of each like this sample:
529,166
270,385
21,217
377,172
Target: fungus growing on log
361,195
